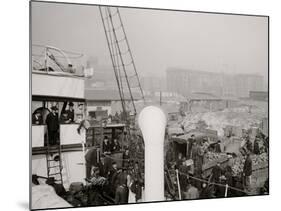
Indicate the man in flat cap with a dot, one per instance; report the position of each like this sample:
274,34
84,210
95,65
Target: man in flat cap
70,113
52,122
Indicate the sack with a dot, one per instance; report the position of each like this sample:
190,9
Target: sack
76,187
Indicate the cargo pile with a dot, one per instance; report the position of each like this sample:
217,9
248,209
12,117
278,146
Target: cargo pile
238,165
218,120
258,161
213,157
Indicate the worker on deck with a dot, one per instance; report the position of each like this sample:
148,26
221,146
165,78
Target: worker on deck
103,167
52,122
126,159
106,146
122,190
215,177
70,112
183,174
112,178
169,158
179,160
115,147
64,118
192,192
91,160
207,191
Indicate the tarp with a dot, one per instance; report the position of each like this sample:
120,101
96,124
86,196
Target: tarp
199,135
175,130
45,197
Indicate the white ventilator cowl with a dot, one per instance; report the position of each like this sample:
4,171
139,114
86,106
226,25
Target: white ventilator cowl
152,122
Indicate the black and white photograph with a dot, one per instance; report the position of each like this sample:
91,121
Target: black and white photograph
132,105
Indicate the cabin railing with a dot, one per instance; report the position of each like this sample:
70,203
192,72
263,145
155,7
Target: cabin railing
68,135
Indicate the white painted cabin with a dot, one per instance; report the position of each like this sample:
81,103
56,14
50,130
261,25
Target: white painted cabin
58,87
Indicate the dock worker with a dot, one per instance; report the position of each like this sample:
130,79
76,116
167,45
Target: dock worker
257,146
52,122
70,112
215,177
247,171
191,140
197,155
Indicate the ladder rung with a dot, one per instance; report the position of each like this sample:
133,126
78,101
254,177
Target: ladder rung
106,17
117,41
54,166
53,160
54,174
121,53
113,29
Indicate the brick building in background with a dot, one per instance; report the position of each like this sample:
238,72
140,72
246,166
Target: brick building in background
186,82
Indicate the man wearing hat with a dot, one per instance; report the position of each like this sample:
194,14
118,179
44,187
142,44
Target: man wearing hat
52,122
70,113
37,118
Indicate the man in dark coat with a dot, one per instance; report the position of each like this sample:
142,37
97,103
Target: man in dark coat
103,167
115,146
249,145
122,191
217,147
112,178
52,122
197,155
91,160
70,113
247,171
206,191
191,140
183,174
215,177
256,146
216,173
106,146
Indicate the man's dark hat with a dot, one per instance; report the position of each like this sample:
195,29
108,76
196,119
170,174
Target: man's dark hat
54,108
71,104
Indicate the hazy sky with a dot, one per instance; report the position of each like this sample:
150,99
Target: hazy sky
159,39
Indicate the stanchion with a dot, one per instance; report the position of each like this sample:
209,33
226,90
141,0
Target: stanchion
226,189
178,182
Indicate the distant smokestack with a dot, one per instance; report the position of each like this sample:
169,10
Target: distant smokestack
152,122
